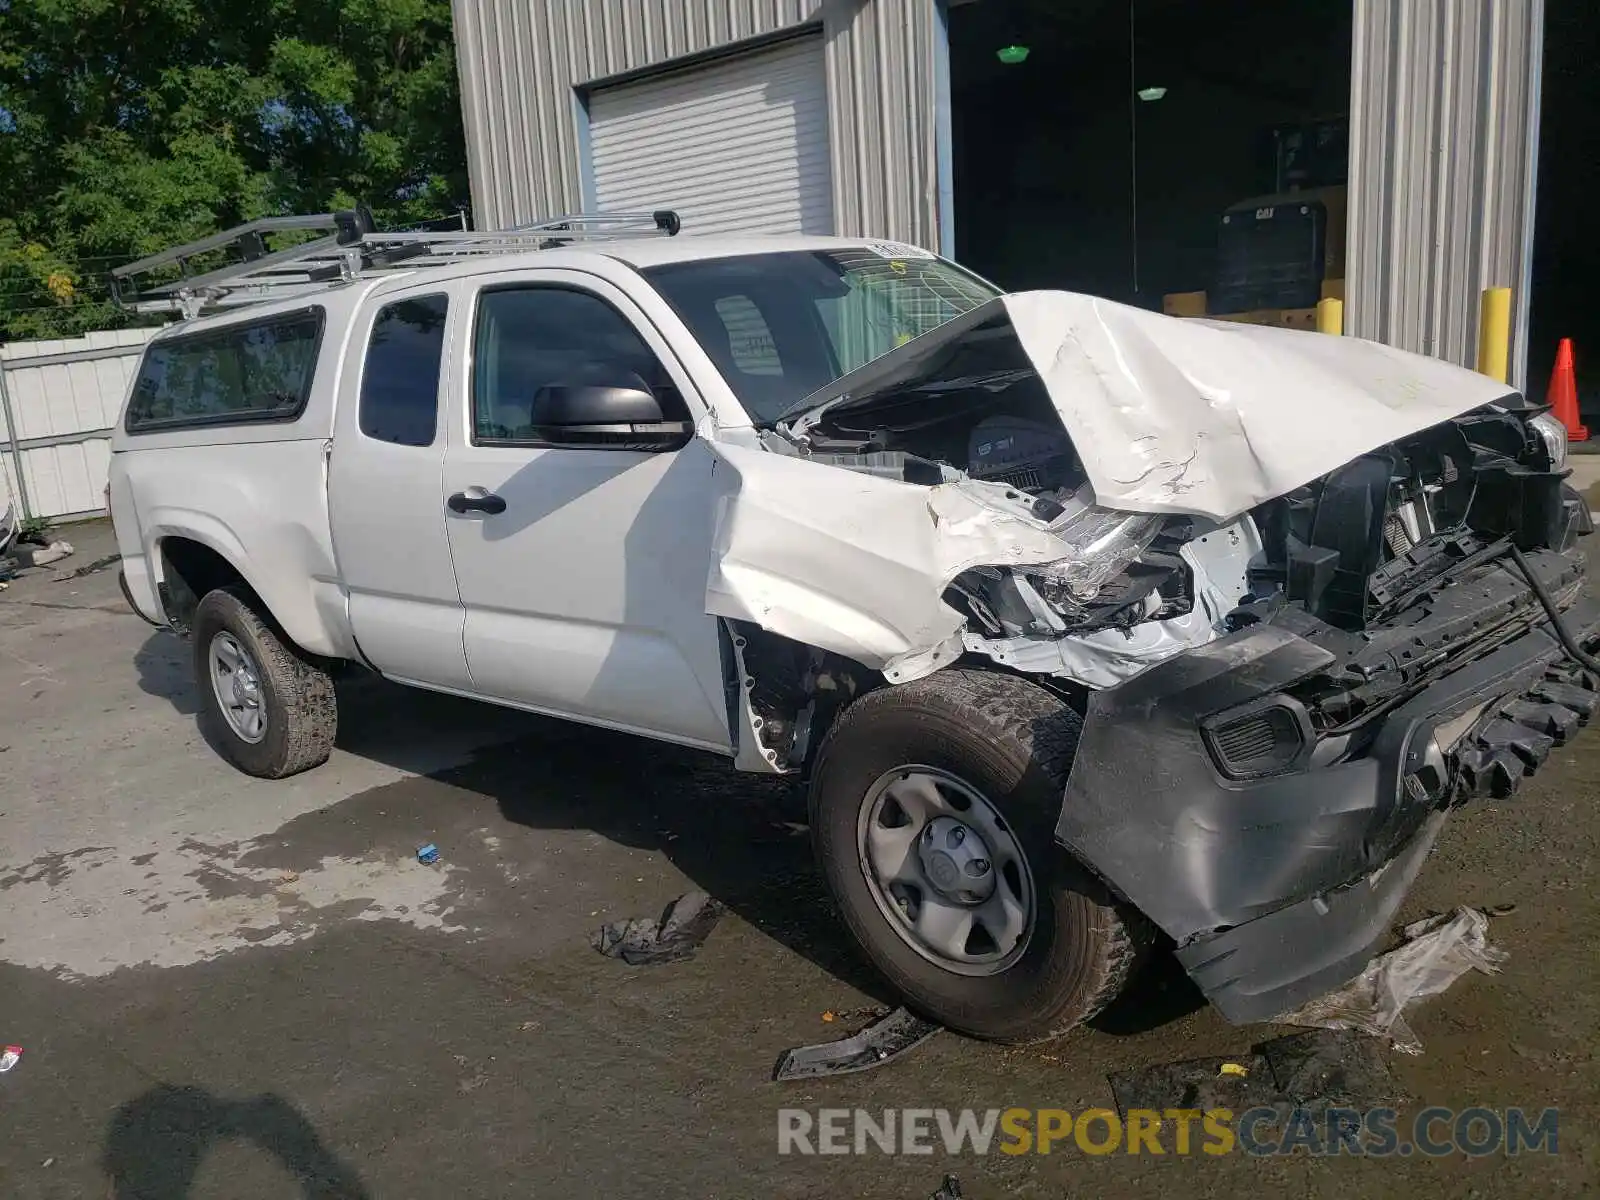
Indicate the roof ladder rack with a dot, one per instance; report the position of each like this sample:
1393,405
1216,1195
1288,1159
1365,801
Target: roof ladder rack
349,248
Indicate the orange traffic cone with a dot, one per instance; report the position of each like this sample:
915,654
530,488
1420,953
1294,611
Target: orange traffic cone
1563,394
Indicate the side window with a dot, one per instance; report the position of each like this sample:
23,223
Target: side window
400,379
252,371
529,338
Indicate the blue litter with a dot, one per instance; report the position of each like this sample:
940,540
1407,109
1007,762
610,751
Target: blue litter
428,854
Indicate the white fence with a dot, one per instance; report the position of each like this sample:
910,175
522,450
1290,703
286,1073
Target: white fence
58,402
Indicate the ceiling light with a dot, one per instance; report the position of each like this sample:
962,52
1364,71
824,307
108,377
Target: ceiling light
1152,93
1012,55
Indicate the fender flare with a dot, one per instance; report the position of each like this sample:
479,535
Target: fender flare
298,619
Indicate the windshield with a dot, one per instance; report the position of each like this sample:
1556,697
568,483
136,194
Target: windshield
780,326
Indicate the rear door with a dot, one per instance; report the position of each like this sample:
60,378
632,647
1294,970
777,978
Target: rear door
387,510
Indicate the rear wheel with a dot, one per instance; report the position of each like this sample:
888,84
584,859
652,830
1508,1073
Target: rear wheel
270,710
934,807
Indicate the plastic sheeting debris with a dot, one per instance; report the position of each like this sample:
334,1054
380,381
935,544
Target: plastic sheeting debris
1436,953
1196,1083
39,556
642,941
1310,1072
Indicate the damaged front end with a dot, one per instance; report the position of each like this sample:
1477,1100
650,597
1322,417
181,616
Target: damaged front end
1393,657
1309,592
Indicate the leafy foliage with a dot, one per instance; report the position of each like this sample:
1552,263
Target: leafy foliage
129,125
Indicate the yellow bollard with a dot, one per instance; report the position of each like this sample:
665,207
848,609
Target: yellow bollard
1494,333
1330,316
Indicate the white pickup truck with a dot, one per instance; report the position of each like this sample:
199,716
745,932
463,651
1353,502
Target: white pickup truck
1085,622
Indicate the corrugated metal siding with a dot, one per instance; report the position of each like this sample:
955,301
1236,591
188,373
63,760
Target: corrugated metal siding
739,146
521,59
71,399
881,93
1443,150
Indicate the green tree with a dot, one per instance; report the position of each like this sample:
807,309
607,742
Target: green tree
129,125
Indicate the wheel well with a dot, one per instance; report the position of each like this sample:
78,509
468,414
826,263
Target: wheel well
190,569
797,691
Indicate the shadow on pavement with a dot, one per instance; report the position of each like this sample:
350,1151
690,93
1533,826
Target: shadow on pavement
157,1141
398,726
166,669
741,838
1158,995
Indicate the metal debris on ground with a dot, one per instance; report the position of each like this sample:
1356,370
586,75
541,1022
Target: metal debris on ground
1436,952
673,937
883,1040
9,1058
1308,1071
428,854
99,564
950,1189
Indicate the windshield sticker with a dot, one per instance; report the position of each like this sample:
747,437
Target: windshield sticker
894,250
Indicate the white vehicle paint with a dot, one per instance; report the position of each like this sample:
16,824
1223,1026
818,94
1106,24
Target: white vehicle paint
1213,417
605,589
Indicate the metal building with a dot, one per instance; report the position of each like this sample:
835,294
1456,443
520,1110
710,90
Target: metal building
784,115
835,116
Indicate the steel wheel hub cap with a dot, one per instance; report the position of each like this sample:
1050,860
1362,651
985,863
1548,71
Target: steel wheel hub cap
236,682
956,861
946,870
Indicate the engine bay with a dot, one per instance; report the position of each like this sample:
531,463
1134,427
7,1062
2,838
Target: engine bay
1351,551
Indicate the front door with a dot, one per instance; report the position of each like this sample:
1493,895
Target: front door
383,491
582,570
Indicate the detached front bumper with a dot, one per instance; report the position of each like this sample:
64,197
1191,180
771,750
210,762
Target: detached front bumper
1278,889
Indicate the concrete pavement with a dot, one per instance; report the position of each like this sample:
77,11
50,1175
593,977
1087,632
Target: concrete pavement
231,988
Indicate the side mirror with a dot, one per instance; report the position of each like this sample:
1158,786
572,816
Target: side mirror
620,412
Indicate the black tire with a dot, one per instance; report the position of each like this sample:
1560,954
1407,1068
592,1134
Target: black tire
297,696
1014,742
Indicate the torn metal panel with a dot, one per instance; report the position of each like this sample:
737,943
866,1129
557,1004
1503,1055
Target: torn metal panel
1219,560
1212,417
852,544
749,753
1176,415
855,564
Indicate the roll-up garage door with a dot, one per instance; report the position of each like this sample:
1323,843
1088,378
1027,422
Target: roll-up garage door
736,146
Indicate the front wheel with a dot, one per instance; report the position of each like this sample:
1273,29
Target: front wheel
271,711
933,810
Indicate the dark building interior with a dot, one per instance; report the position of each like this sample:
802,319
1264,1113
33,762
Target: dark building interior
1063,177
1566,243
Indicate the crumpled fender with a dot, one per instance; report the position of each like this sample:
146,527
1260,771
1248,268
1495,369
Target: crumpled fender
853,563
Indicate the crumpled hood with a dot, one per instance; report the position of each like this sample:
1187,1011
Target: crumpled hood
1210,418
